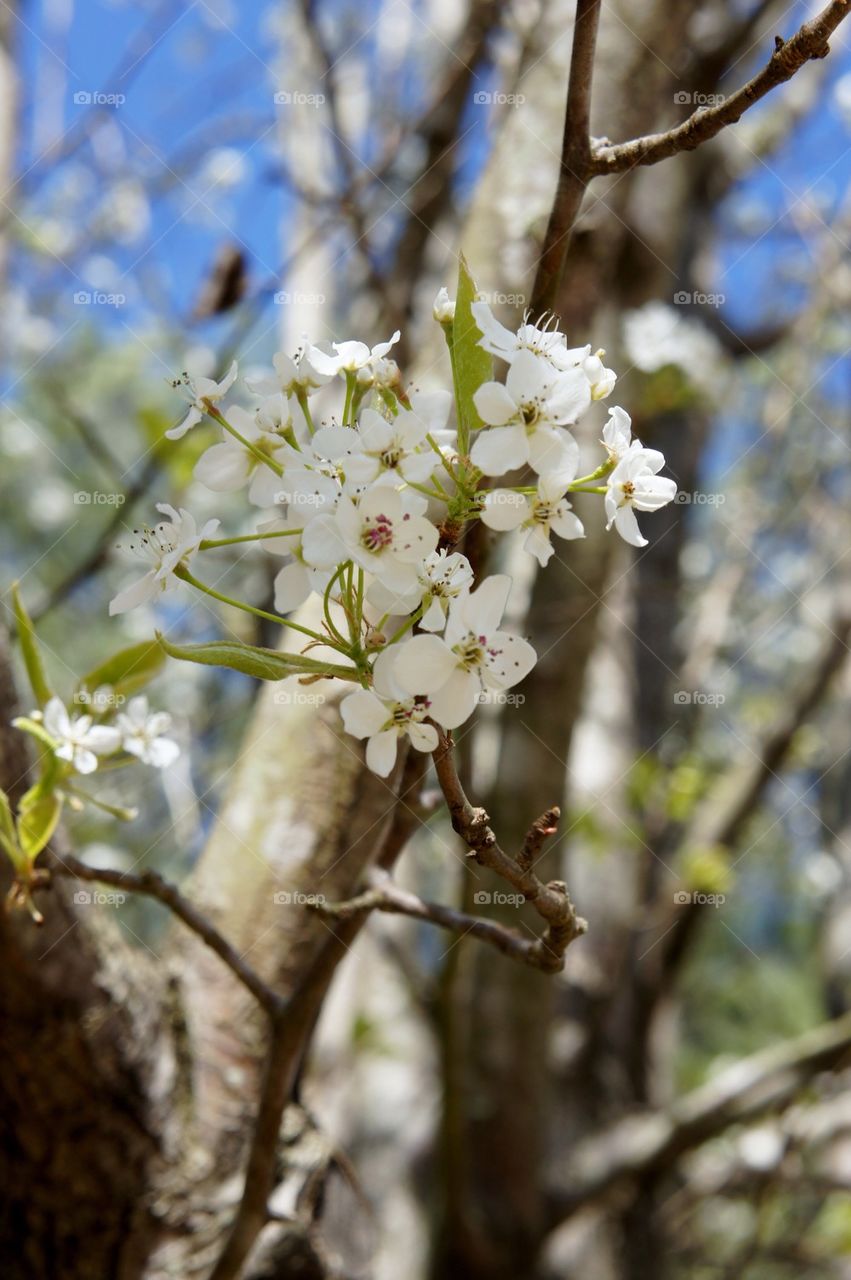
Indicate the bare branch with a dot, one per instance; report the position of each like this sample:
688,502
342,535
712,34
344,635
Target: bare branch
811,41
575,167
153,885
551,901
639,1145
386,896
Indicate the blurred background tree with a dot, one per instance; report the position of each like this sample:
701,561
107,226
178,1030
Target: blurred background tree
187,182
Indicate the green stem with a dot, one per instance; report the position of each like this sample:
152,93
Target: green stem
209,543
255,452
249,608
407,625
594,488
304,404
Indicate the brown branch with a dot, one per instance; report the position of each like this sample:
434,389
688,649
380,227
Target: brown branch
650,1143
811,41
384,895
153,885
551,901
576,164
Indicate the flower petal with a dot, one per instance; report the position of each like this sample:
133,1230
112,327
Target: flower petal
381,752
499,450
424,664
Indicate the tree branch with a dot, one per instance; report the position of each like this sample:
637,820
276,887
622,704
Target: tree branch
575,166
811,41
551,901
153,885
384,895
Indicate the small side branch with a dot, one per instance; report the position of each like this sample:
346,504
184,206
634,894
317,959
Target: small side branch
386,896
811,41
153,885
551,900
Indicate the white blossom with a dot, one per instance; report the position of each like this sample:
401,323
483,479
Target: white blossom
295,375
200,392
473,656
381,532
617,433
167,547
527,416
541,514
441,578
79,740
386,713
231,465
635,486
392,450
143,734
444,307
350,357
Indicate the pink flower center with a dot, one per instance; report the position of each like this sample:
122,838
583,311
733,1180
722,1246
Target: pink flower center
377,535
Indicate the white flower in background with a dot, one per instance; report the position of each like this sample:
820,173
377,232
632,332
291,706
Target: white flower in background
542,514
231,465
142,734
617,433
528,415
444,307
383,533
282,416
79,740
473,656
441,578
200,392
168,547
657,335
386,713
295,375
635,486
350,357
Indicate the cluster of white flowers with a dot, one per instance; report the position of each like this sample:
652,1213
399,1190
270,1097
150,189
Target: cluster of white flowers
81,740
371,502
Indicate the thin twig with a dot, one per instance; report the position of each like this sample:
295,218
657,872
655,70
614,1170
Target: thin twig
384,895
551,901
811,41
153,885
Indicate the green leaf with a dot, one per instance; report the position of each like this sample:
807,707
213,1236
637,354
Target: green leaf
471,365
263,664
127,670
8,834
30,650
37,819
